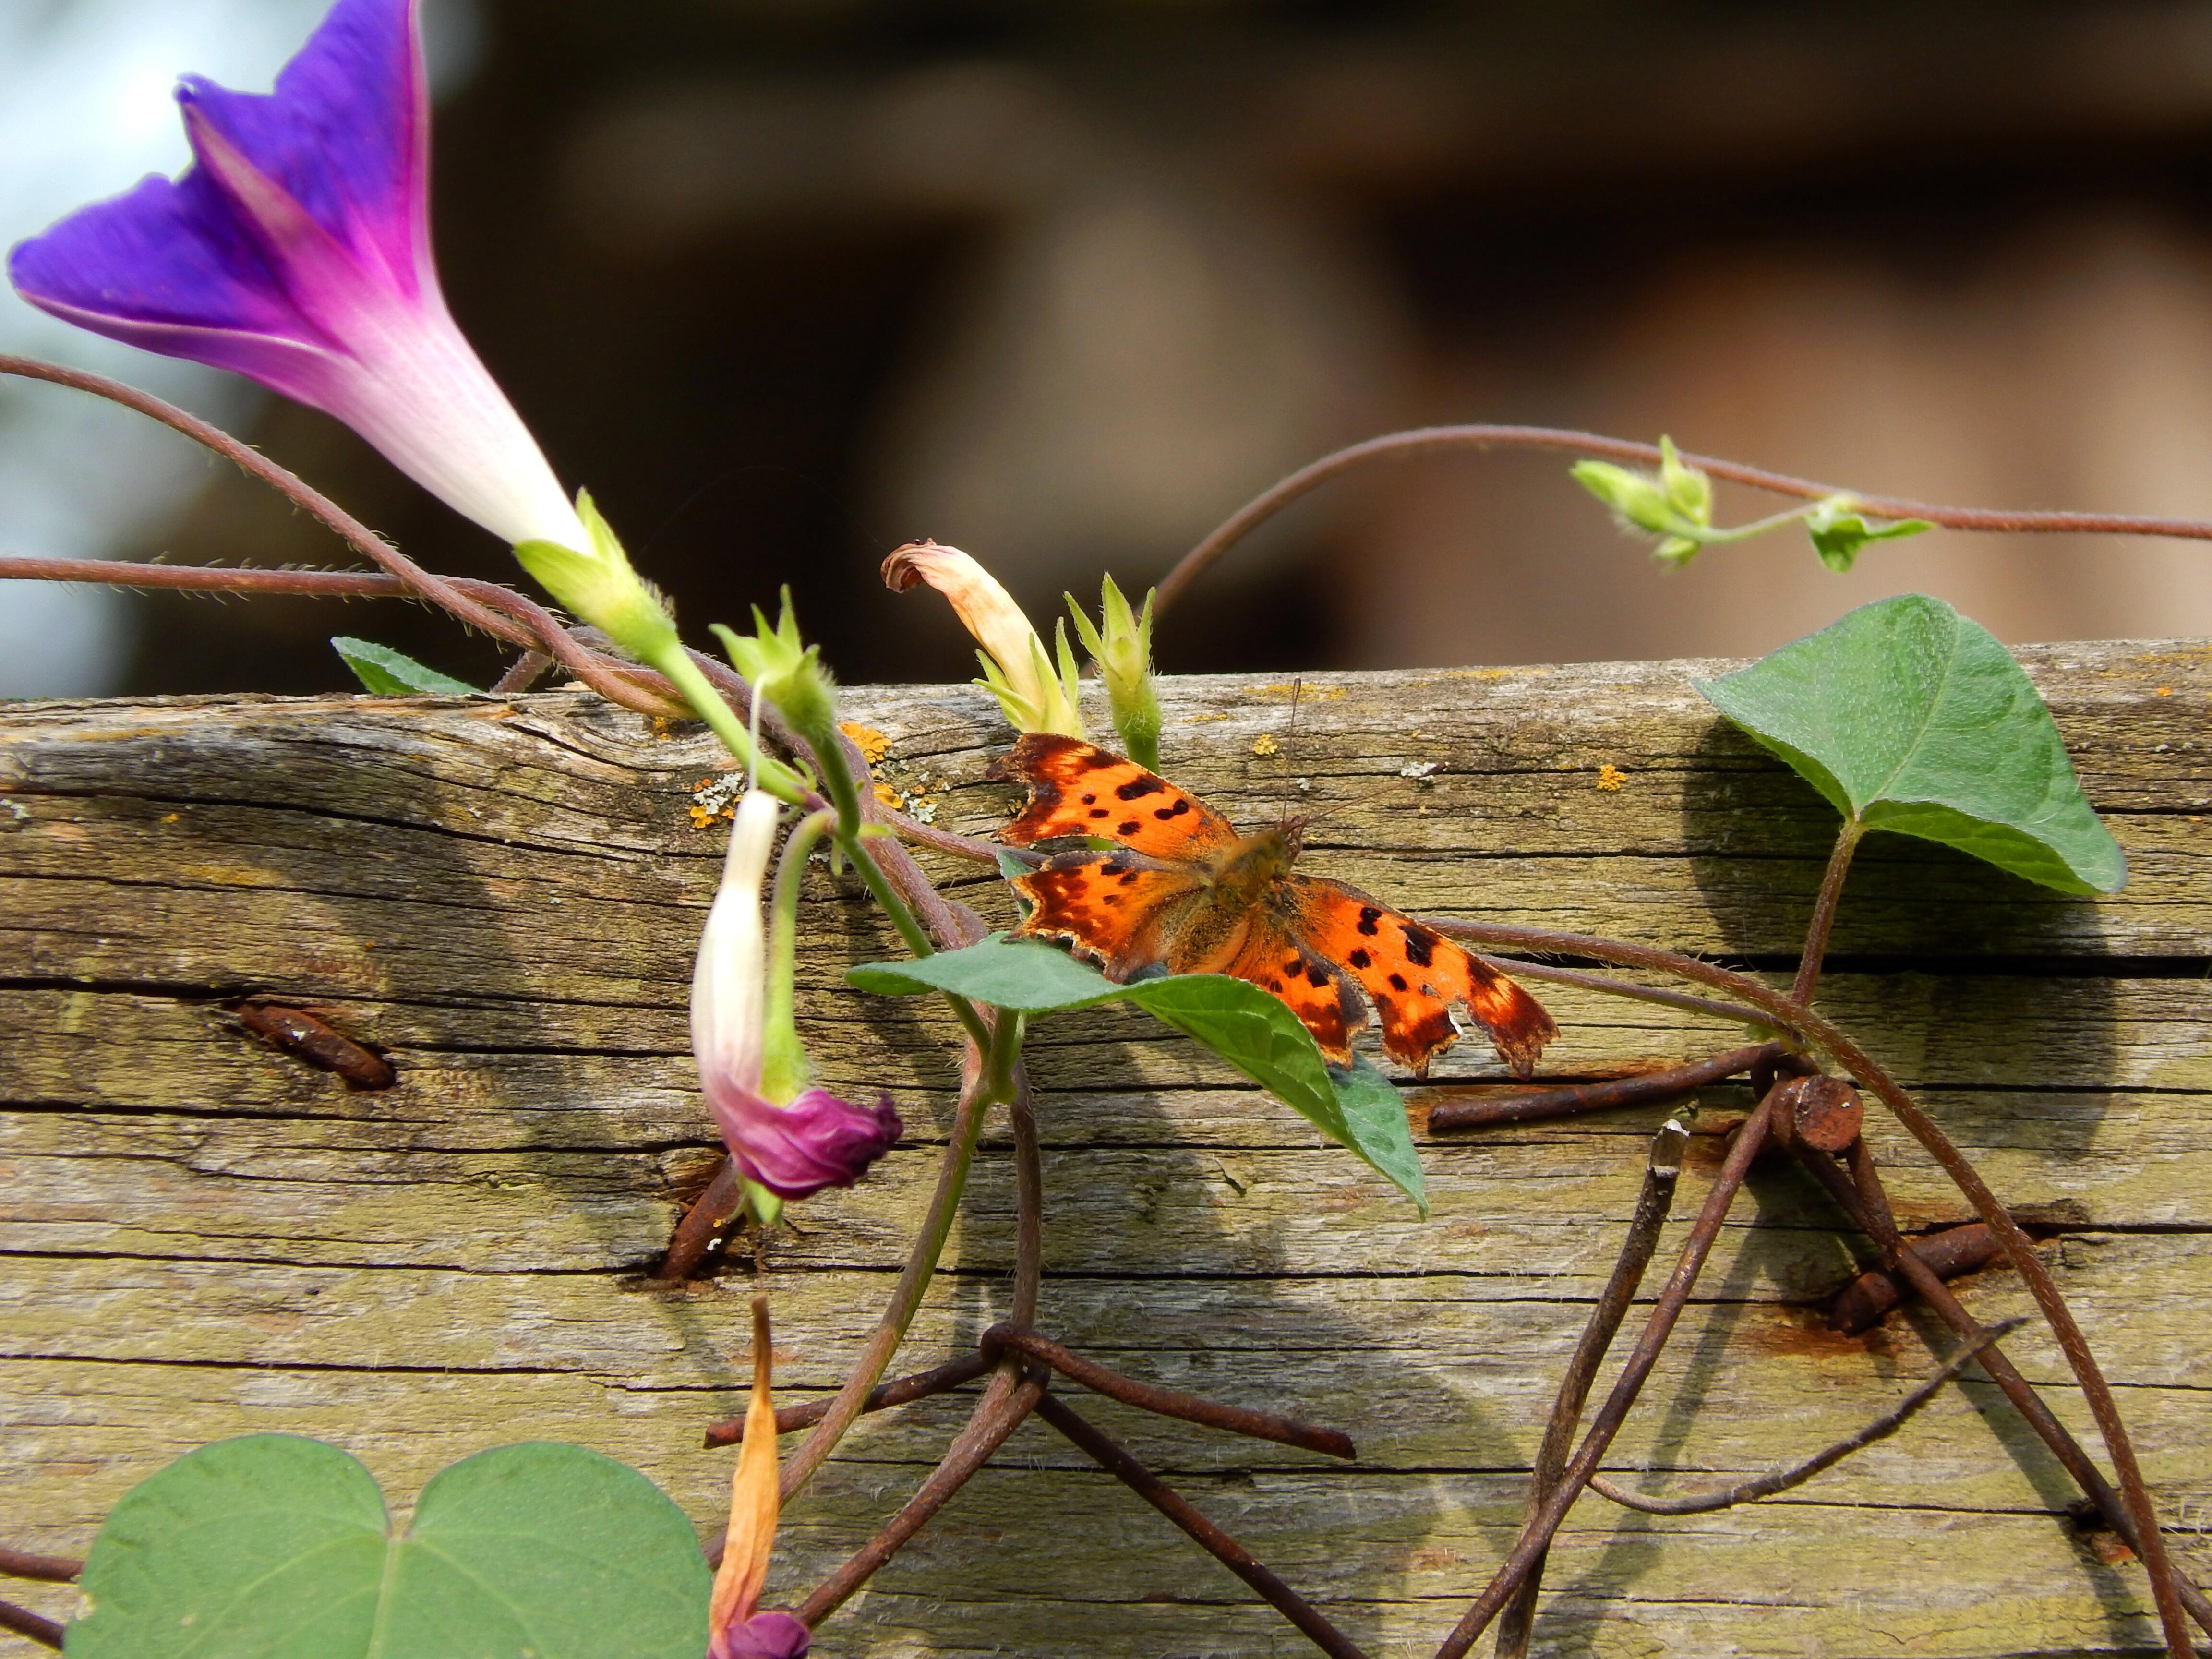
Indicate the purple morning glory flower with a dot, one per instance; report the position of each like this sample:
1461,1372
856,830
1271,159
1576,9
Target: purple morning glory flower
817,1140
296,250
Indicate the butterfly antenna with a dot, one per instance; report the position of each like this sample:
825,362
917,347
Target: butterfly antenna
1290,730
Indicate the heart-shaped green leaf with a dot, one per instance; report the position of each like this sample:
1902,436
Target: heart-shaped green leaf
1254,1032
1909,717
392,673
274,1546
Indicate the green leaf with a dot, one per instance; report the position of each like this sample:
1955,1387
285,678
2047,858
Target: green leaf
1839,533
392,673
273,1547
1254,1031
1909,717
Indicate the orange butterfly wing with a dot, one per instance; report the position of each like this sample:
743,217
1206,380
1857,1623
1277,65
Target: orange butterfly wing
1077,789
1415,977
1317,944
1317,991
1118,909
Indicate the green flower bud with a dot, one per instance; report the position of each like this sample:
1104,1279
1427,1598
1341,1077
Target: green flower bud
1637,499
788,672
1689,491
600,587
1122,648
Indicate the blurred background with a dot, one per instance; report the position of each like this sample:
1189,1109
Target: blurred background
787,282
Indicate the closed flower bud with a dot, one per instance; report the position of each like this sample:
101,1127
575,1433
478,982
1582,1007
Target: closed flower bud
815,1140
1121,646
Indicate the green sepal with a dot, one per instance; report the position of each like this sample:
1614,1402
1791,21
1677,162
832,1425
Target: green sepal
1121,646
601,588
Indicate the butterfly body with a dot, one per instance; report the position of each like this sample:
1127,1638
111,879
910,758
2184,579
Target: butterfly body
1182,892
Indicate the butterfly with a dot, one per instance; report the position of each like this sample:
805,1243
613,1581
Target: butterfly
1182,892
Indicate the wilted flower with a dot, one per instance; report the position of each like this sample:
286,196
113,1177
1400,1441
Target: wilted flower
296,250
1037,695
815,1140
735,1629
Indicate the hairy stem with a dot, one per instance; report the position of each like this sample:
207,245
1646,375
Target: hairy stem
990,1082
1824,911
2019,1249
36,1626
1442,440
1105,1452
1781,1480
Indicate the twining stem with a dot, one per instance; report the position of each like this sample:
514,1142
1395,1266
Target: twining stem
1606,985
1860,1196
1007,1400
992,1083
1440,440
1781,1480
1108,1454
1708,537
1492,1111
1167,1402
1824,910
1536,1535
2019,1249
1652,1203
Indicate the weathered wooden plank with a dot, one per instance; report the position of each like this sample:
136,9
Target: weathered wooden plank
205,1238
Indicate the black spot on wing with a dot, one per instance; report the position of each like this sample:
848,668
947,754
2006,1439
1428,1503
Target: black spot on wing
1137,787
1164,813
1359,958
1128,827
1369,915
1420,944
1397,981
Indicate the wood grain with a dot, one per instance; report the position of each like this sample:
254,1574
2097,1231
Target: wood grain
205,1236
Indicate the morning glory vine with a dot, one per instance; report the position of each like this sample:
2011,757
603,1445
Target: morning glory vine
296,250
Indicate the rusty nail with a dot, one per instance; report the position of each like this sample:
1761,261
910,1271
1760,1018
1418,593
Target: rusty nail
1955,1251
1823,1113
302,1034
